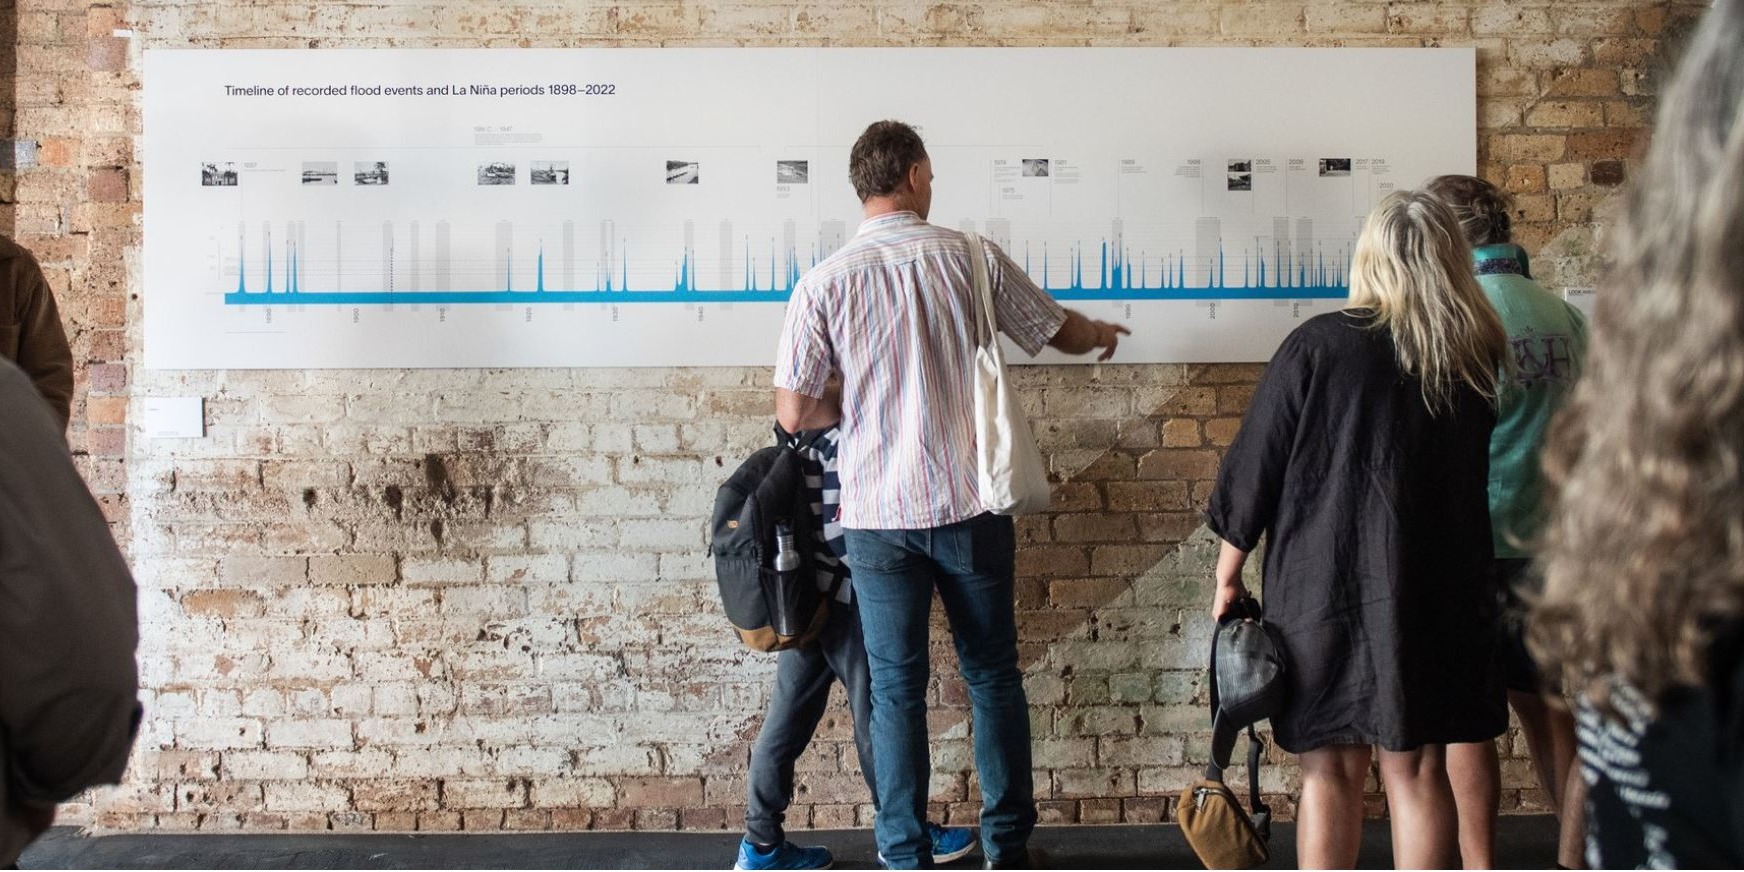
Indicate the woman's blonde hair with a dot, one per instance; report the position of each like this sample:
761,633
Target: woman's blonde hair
1644,552
1412,271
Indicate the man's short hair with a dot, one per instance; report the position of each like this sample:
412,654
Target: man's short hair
881,158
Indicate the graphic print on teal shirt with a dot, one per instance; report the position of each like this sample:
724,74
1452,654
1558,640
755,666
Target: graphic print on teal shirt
1547,341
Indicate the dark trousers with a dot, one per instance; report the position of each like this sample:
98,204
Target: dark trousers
802,690
970,564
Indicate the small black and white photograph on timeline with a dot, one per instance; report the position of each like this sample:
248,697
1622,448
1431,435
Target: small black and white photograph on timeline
683,172
1240,175
1035,167
548,172
1334,166
218,174
496,173
792,172
321,172
369,172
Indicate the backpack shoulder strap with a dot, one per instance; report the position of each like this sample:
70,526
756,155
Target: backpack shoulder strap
1262,813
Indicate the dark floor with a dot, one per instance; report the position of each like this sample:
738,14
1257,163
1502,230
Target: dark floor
1523,842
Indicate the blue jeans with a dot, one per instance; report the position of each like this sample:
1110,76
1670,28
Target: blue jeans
970,564
802,691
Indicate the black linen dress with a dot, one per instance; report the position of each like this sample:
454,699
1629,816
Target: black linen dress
1376,518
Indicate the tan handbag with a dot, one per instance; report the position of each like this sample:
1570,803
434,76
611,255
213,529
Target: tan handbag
1216,825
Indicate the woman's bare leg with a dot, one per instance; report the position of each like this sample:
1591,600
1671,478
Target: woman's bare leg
1329,817
1420,801
1475,771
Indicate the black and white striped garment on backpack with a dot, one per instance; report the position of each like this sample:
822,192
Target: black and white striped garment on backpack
819,463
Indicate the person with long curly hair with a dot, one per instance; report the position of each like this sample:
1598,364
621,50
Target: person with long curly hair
1643,604
1363,462
1547,341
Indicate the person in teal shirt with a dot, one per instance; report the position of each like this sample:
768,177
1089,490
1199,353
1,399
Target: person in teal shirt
1547,341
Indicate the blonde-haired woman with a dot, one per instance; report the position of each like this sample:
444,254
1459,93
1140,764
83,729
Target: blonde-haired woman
1362,461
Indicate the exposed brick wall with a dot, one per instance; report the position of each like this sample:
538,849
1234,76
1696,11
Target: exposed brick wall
478,599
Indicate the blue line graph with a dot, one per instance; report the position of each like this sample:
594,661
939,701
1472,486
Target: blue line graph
1110,271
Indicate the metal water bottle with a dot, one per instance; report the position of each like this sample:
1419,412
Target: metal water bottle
787,581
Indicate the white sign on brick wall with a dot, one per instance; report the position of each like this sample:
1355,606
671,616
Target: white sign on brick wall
653,207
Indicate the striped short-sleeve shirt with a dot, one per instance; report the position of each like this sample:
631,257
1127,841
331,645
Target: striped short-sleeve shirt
894,313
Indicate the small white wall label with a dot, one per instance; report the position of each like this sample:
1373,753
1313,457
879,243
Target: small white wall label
1582,299
175,417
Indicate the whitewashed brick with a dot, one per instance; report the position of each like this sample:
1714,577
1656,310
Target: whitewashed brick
263,702
366,439
613,439
367,763
395,700
351,700
533,762
542,634
565,406
301,409
656,438
569,472
218,733
567,436
688,565
352,569
611,566
512,701
306,796
623,759
524,568
392,666
579,667
657,470
347,633
490,537
309,663
393,732
311,602
616,502
220,703
497,600
263,572
433,762
173,705
470,407
309,733
572,793
575,534
489,664
442,570
676,535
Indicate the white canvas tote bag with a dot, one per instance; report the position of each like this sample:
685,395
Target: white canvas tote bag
1013,476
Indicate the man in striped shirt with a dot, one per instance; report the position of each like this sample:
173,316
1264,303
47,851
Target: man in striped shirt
892,313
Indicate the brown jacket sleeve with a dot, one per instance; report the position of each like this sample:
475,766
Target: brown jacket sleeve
30,329
69,624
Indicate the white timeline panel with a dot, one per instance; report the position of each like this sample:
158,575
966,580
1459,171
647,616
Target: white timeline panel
654,207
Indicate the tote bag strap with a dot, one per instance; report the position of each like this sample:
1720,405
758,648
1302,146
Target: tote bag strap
986,321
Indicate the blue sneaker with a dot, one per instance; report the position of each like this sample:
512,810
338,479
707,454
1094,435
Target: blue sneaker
786,855
950,843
